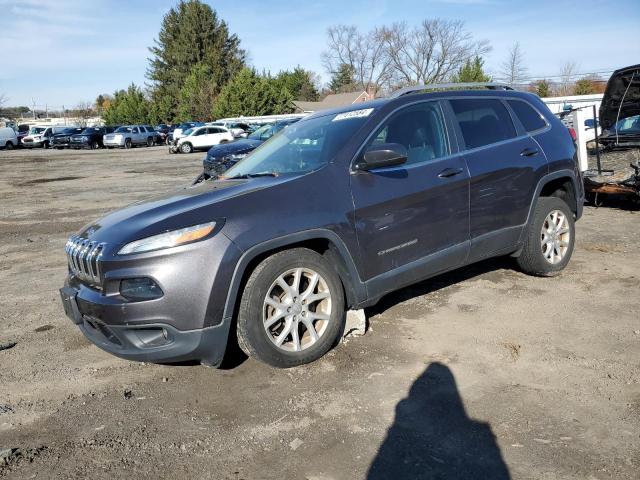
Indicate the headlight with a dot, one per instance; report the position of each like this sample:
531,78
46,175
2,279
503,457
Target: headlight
117,137
85,139
169,239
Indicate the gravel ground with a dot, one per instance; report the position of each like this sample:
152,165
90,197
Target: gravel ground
480,373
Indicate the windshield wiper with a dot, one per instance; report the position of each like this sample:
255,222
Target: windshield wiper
253,175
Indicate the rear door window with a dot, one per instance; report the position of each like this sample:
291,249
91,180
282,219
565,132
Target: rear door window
530,118
420,128
483,121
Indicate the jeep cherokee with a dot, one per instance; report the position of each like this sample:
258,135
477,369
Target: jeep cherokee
331,214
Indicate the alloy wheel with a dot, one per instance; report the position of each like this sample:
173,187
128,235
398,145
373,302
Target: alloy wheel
297,309
555,237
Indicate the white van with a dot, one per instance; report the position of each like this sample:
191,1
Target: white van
40,136
8,138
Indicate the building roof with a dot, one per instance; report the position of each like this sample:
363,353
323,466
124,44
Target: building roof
334,100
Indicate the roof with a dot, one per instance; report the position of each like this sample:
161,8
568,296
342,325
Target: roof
334,100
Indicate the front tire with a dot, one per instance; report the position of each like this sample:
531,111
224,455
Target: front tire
150,142
292,309
127,143
186,148
550,239
94,145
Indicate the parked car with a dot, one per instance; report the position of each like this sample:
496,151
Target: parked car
620,109
201,138
169,138
129,136
8,138
238,129
23,131
222,157
162,131
63,139
183,127
91,137
40,136
335,212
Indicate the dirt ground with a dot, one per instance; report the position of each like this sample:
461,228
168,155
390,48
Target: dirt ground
481,373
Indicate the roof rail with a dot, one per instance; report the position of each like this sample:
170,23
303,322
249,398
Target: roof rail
449,86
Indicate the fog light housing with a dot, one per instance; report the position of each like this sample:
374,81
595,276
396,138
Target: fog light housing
142,288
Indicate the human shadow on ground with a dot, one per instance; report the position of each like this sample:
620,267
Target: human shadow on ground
433,438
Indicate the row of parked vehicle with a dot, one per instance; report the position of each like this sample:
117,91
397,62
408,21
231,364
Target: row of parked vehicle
182,138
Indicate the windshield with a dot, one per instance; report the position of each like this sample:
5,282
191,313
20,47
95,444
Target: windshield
36,130
303,147
187,132
89,131
123,130
259,132
627,125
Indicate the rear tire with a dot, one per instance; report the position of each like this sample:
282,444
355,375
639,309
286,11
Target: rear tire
94,145
275,322
9,146
550,239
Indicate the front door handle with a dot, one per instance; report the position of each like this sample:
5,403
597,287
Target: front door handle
529,152
450,172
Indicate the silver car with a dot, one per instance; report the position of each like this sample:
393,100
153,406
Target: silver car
129,136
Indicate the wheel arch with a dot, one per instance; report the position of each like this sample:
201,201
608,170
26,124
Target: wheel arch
325,242
549,186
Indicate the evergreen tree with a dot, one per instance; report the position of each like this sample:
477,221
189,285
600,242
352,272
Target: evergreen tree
541,88
585,86
192,34
127,107
197,95
250,94
342,80
299,82
472,71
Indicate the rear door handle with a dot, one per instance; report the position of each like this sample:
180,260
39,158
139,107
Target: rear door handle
450,172
529,152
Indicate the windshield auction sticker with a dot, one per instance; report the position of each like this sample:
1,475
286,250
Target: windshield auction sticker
365,112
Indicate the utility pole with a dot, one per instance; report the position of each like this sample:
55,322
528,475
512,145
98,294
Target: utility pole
34,107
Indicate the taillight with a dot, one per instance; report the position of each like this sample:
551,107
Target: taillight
572,132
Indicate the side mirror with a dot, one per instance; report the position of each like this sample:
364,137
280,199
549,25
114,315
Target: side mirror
382,155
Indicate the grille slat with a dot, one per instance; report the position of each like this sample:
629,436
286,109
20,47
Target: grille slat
83,257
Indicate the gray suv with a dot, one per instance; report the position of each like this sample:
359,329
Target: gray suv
331,214
129,136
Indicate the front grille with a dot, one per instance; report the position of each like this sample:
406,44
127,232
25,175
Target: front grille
83,257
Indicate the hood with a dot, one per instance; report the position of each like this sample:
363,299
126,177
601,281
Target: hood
239,146
189,206
622,96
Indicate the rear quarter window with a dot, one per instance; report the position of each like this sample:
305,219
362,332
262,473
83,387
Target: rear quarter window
483,121
530,118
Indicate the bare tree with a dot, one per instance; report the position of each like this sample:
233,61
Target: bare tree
82,112
364,53
3,100
567,75
431,52
513,69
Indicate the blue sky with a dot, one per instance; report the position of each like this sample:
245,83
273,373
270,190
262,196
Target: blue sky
61,52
